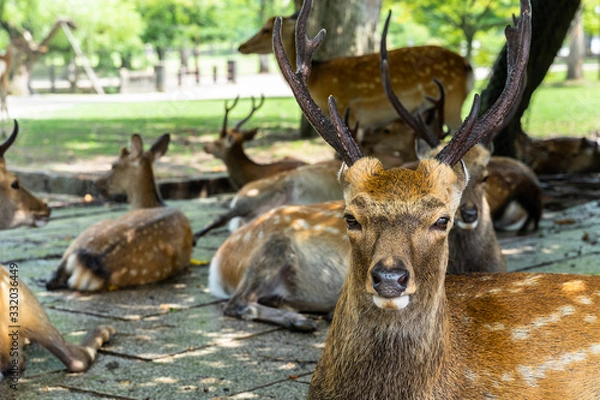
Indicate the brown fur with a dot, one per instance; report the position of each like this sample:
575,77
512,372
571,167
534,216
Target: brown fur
6,60
149,244
356,84
18,206
241,168
510,181
560,155
31,322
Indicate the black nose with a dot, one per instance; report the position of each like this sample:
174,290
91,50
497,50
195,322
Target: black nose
468,214
390,281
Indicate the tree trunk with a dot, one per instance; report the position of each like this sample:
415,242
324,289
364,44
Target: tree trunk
576,48
263,64
550,23
351,27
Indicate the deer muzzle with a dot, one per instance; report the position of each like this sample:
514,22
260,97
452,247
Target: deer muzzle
468,217
390,281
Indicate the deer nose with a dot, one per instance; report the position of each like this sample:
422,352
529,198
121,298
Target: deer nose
468,214
389,282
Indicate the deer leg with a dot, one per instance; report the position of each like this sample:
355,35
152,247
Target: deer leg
291,320
77,358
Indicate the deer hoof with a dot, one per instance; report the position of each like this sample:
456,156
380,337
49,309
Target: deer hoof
301,325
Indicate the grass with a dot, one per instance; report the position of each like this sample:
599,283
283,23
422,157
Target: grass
85,132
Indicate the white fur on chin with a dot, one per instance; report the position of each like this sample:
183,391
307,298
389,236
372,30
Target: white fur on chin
396,303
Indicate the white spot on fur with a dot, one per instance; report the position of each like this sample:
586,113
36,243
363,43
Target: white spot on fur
496,326
584,300
235,223
300,224
524,332
529,281
396,303
532,374
253,193
590,319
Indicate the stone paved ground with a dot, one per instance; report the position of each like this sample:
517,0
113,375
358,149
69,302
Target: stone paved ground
173,342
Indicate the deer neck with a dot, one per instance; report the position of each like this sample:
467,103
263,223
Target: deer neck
143,193
402,352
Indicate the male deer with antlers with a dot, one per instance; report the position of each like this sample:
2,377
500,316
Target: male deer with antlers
22,317
18,206
355,83
402,328
149,244
229,147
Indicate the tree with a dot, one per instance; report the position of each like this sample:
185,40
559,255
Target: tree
352,30
103,27
550,23
576,47
459,20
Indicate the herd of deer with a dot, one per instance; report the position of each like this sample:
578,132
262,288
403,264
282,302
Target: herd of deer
400,246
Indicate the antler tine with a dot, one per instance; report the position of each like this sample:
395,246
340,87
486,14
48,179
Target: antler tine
417,124
337,136
254,108
8,142
518,41
439,110
353,130
227,109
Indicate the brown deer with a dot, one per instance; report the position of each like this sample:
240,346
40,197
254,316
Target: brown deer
355,84
514,195
290,259
559,155
23,318
229,147
312,183
18,206
402,328
150,243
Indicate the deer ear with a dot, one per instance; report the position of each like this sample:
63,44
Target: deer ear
422,149
249,135
160,146
136,146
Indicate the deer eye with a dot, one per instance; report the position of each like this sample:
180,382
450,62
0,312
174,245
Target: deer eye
441,224
351,222
15,185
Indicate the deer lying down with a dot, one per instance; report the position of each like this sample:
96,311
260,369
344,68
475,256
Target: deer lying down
149,244
514,194
308,184
560,155
402,328
32,323
18,206
229,147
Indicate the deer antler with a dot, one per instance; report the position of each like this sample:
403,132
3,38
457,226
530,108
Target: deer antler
227,109
473,129
336,135
8,142
254,108
417,124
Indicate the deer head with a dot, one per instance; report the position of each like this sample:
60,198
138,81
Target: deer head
132,173
18,206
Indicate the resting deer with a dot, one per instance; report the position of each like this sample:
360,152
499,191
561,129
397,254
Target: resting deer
150,243
560,155
514,195
18,206
22,317
313,183
355,84
229,147
402,328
